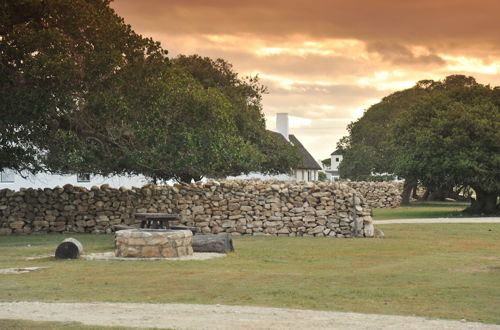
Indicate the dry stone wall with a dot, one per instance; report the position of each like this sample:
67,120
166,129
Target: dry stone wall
246,207
379,194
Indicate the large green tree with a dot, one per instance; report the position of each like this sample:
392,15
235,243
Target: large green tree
57,60
177,130
452,138
441,134
365,149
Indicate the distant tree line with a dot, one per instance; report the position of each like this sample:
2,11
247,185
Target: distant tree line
81,92
443,135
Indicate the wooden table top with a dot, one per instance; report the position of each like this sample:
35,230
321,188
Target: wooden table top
156,216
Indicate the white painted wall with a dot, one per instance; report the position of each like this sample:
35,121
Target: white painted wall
336,160
46,180
257,175
306,175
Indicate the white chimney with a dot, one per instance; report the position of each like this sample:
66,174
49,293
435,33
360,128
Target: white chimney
282,124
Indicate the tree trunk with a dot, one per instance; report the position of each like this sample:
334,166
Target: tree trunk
426,194
220,243
436,195
440,194
407,188
188,178
414,193
485,202
70,248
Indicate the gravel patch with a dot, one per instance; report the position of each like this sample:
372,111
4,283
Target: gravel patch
220,317
19,270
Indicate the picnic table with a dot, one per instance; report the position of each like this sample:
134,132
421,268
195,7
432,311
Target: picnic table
156,220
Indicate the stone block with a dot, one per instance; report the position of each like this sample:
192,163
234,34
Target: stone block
131,252
316,230
284,230
5,231
197,209
369,230
309,219
17,224
168,252
137,241
150,251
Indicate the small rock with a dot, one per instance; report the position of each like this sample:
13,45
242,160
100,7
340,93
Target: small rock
378,233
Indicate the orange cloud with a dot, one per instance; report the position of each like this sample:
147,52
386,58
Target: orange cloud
445,22
325,61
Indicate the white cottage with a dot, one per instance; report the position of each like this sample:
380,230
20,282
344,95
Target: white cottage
309,167
333,171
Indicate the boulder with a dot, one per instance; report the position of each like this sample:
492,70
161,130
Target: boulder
220,243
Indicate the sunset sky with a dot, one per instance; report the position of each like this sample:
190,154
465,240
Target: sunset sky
325,62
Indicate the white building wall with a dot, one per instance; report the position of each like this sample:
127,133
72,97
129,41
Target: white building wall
336,160
306,175
46,180
257,175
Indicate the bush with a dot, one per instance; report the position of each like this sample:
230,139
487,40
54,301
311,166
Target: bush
375,178
322,176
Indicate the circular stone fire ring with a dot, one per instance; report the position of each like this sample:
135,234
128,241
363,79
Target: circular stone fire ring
153,243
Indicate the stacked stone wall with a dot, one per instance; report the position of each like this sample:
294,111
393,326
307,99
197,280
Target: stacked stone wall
245,207
379,194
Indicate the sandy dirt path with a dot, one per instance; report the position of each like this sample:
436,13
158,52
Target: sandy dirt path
184,316
439,220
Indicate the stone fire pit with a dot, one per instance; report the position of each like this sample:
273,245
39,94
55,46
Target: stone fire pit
153,243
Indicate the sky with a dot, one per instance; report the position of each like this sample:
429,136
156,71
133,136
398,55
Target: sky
326,61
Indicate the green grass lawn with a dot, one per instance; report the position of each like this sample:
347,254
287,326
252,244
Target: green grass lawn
423,210
447,271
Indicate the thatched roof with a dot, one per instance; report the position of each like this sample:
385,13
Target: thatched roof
308,161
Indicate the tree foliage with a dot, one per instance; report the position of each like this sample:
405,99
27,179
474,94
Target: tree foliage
365,149
322,176
80,91
272,154
443,134
58,60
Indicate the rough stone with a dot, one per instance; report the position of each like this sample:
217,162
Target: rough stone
150,243
369,230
